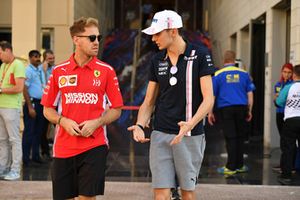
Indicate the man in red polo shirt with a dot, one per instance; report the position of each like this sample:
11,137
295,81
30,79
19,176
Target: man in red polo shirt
75,99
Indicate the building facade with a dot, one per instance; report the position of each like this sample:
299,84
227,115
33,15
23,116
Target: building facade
44,24
265,35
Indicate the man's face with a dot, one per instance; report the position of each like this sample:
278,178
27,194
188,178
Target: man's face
163,39
84,45
4,55
35,60
50,59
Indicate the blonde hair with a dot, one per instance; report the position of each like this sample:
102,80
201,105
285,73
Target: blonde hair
80,24
229,56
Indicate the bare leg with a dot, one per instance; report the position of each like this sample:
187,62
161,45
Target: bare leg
81,197
162,194
188,195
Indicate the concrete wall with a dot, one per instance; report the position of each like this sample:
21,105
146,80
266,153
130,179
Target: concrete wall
26,18
295,32
5,10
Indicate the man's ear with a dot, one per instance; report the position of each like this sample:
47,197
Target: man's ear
75,40
174,31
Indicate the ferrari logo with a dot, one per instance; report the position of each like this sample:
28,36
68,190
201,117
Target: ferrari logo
97,73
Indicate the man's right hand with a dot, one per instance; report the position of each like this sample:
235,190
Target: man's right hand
211,118
138,134
70,126
31,112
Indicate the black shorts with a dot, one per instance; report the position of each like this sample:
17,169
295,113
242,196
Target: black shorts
83,174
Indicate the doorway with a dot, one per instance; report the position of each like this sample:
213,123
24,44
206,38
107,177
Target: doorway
258,73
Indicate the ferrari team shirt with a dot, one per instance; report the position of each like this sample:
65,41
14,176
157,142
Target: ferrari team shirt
81,93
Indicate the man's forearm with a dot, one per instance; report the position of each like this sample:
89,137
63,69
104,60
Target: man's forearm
204,108
18,88
51,114
110,115
144,114
250,101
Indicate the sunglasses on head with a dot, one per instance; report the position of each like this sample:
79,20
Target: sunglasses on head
92,37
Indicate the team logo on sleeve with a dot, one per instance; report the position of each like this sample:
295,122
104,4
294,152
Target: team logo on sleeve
97,73
70,80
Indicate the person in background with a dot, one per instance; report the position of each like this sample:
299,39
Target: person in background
233,90
34,121
289,98
47,67
12,78
285,78
179,69
82,83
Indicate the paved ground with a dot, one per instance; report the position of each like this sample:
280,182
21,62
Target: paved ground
41,190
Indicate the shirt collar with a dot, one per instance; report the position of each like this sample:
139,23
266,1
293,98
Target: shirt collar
89,65
229,65
187,52
34,68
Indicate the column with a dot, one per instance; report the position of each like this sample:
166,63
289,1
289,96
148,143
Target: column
295,31
26,26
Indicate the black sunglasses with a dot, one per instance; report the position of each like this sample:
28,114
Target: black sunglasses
92,37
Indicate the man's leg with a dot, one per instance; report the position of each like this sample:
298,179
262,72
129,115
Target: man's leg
4,146
39,127
27,135
289,140
86,197
162,193
12,121
228,125
231,147
188,157
188,195
91,167
161,162
241,131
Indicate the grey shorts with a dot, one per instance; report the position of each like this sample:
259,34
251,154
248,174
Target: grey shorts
182,161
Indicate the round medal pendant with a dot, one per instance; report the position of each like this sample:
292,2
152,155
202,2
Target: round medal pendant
173,81
173,70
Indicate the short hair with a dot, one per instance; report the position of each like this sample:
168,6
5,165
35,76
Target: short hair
47,51
33,53
80,24
229,56
297,70
6,45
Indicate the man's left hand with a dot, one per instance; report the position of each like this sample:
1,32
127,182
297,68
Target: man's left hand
88,127
185,127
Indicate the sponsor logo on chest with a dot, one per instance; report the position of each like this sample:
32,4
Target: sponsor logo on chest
69,80
163,68
188,58
80,97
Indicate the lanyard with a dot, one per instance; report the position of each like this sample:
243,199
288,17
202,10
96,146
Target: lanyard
5,70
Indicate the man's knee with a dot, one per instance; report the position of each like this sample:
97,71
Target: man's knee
162,194
188,195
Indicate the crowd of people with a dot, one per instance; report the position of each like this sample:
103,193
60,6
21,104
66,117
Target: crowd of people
81,96
18,81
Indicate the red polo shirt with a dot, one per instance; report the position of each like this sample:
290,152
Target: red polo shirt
81,93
